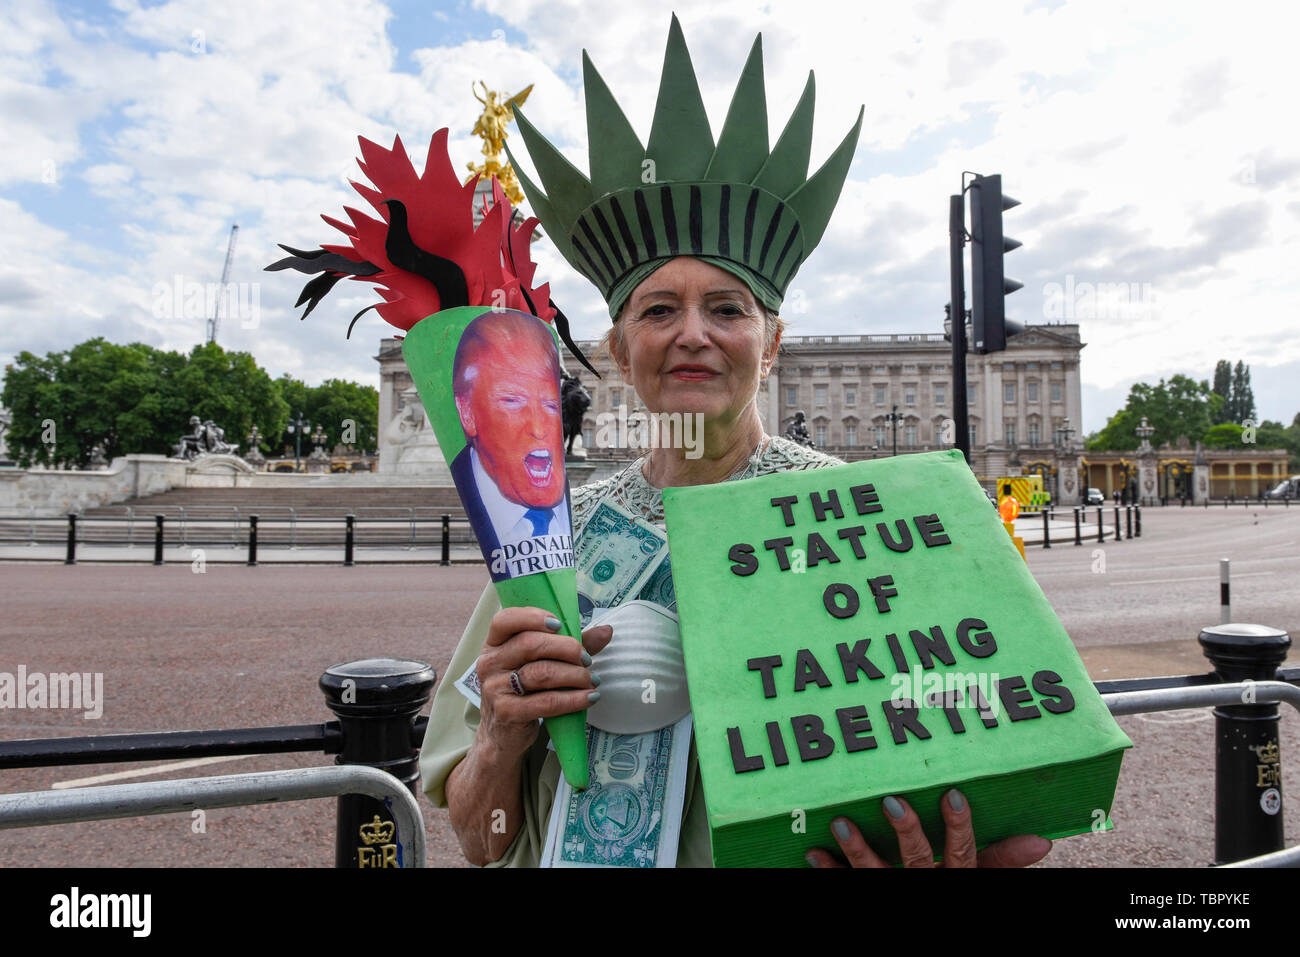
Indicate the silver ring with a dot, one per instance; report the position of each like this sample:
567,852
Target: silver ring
516,685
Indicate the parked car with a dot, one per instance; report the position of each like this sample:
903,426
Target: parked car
1094,497
1287,488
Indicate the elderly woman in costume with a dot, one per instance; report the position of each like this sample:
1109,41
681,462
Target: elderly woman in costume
693,245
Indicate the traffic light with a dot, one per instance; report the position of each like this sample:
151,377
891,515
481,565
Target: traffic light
989,285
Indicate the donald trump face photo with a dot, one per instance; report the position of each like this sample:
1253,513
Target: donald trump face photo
506,382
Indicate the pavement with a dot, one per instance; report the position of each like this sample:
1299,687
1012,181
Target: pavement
234,646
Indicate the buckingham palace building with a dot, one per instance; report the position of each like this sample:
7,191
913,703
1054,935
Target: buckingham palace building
863,396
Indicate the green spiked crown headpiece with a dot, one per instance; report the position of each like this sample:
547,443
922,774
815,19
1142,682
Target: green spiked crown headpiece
735,204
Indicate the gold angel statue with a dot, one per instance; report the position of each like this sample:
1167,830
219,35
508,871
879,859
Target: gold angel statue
491,126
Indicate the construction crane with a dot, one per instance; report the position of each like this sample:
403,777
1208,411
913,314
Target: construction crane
219,300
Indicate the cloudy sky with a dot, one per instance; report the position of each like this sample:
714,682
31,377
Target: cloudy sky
1147,142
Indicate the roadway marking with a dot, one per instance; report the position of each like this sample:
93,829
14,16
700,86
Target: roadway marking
145,772
1206,578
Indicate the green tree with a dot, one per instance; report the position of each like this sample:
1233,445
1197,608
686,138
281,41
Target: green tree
347,411
1243,397
132,398
232,390
1223,389
1225,435
1180,407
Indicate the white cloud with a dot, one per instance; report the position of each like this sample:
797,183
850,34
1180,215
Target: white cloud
1147,143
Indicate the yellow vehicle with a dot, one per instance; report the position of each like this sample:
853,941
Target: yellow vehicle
1027,490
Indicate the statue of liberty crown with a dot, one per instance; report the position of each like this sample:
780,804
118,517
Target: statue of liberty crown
736,203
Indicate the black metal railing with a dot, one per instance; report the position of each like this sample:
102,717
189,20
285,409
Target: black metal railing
348,532
377,703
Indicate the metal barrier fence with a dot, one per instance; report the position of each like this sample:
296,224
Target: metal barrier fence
347,532
395,843
378,701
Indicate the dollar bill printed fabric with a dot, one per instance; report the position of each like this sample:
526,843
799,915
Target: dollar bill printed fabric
618,556
631,813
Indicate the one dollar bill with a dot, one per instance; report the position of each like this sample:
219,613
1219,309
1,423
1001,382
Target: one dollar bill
631,814
617,554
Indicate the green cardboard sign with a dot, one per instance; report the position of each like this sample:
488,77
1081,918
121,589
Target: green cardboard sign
867,630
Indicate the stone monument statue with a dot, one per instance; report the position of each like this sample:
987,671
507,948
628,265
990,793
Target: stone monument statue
797,431
574,402
411,440
202,439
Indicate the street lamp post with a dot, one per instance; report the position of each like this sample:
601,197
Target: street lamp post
894,417
298,426
1144,432
1063,438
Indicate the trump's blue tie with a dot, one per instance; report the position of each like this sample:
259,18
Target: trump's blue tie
541,519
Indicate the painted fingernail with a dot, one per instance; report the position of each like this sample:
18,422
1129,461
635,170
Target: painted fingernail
956,801
595,680
811,858
894,809
586,659
593,697
841,828
554,624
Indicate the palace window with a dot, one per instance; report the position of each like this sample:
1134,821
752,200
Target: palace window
1056,392
849,370
792,395
880,436
880,394
1011,434
850,435
940,393
819,436
1033,433
972,436
1009,391
909,394
819,397
970,393
850,395
821,370
1031,391
909,436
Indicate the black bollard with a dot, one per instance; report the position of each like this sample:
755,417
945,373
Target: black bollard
1047,535
71,558
1101,527
347,542
1117,534
446,541
1137,519
376,701
1078,527
252,539
1247,761
157,539
1128,521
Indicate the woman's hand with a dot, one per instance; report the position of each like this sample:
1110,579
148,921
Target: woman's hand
551,675
959,841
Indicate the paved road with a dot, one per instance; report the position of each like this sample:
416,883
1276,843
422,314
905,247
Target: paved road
237,646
